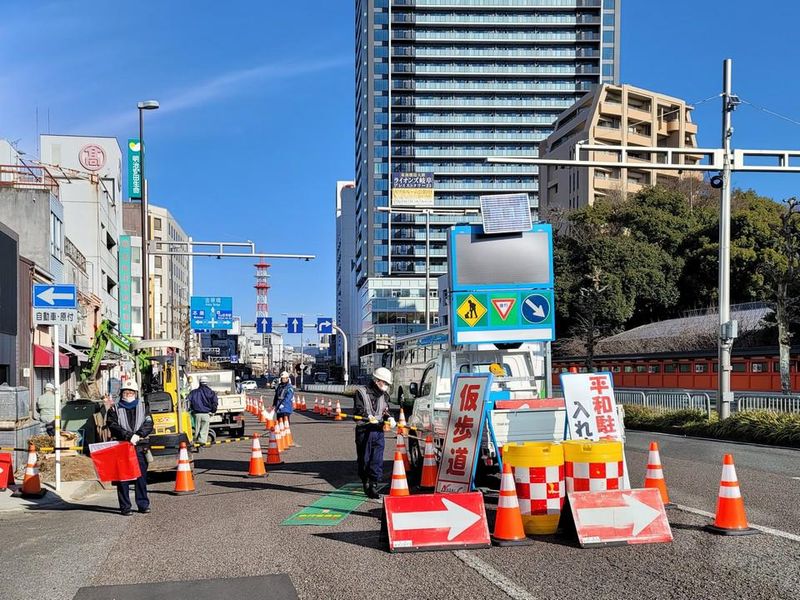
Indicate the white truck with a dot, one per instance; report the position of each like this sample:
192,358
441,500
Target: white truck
232,404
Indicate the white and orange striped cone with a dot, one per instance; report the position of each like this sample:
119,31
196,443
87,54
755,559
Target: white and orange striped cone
730,518
329,411
655,474
316,405
256,460
184,482
262,416
270,419
401,422
430,470
273,450
298,403
305,404
31,483
508,527
403,450
288,430
399,481
281,435
339,416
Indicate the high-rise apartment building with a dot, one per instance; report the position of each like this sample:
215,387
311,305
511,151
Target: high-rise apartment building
440,86
616,115
346,315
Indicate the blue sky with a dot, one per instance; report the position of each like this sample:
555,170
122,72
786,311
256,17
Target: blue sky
256,123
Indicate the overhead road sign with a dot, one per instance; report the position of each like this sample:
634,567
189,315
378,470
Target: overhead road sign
619,517
264,325
294,325
212,312
324,325
436,521
55,296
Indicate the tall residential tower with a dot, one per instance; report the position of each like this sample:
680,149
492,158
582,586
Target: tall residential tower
440,86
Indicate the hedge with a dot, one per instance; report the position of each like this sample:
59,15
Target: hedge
761,427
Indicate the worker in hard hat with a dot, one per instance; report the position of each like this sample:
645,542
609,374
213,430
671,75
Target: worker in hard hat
46,407
203,402
283,403
129,420
372,405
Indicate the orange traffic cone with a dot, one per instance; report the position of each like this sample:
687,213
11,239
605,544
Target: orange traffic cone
184,482
31,484
305,405
288,430
508,528
279,436
402,450
256,460
298,403
269,415
655,474
430,471
401,422
329,412
399,481
262,417
730,519
339,416
273,451
316,405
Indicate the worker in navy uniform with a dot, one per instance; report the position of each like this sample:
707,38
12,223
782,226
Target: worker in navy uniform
284,398
129,420
372,404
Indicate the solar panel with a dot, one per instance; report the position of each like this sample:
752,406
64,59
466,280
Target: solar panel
506,213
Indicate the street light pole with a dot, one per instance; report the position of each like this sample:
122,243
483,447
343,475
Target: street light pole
345,358
142,106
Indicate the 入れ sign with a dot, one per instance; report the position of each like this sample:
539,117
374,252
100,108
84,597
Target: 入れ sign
591,406
464,432
431,521
619,517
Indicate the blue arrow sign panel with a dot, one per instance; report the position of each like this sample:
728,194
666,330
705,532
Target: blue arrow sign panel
535,308
324,325
264,325
294,325
55,296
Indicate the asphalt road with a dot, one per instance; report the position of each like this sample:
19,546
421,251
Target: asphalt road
231,528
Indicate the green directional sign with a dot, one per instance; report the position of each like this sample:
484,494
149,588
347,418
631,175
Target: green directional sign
134,170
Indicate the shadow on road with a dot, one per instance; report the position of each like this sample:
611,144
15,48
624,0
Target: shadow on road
364,539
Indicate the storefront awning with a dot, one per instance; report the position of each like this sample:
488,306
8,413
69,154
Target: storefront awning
82,357
43,357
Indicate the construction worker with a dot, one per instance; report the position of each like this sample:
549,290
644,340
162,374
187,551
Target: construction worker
129,420
203,402
238,385
284,397
46,407
372,404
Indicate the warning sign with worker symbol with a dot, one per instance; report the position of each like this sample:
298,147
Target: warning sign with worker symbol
471,310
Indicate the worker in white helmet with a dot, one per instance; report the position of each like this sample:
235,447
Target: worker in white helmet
372,404
283,404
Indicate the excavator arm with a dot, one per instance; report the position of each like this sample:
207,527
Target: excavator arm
106,333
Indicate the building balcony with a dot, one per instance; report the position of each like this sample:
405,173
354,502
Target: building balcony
613,134
640,139
611,109
639,114
606,183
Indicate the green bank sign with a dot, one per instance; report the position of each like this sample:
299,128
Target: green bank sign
134,169
125,256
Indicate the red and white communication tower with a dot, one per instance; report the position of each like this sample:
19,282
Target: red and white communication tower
262,289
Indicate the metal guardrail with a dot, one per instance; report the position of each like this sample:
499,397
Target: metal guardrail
765,401
326,388
665,401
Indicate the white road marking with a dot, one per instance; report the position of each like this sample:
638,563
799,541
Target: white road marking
769,530
492,575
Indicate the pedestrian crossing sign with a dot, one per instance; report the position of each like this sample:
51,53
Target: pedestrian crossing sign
471,310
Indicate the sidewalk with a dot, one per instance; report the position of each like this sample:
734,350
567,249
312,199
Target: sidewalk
71,491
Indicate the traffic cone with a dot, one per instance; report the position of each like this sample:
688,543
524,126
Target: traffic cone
339,416
402,450
288,430
730,518
508,528
401,422
31,483
655,474
330,409
184,482
270,419
279,436
256,460
430,471
316,405
399,481
273,451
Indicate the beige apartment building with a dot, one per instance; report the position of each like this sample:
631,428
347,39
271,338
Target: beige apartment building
616,115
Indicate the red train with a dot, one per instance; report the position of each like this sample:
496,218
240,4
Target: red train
754,369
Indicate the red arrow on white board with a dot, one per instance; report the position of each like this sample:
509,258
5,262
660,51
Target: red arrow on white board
456,518
635,513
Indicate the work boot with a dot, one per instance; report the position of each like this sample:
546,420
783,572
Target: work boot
365,486
371,491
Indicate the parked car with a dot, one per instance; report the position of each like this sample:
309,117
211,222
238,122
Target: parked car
249,385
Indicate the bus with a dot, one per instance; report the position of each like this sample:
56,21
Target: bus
409,357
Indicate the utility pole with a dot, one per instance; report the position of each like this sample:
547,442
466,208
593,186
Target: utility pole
724,161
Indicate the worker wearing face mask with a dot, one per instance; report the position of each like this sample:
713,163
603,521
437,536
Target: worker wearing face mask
372,404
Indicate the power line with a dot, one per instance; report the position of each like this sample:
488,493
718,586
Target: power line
771,112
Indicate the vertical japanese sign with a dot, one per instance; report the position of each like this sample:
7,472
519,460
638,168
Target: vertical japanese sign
134,169
464,433
591,407
125,284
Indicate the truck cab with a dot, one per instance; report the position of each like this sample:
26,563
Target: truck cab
232,404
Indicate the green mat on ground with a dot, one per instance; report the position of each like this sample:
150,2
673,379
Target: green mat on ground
331,509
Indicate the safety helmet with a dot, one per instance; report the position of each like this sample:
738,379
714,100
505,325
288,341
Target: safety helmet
238,379
204,379
129,384
383,374
497,370
49,386
284,375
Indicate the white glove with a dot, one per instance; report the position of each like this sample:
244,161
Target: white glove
135,439
392,422
373,420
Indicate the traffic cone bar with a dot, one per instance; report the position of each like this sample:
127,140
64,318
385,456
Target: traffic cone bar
184,482
508,528
257,468
430,470
654,478
730,518
399,481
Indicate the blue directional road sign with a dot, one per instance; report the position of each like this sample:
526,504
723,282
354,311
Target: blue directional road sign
212,312
294,325
324,325
55,296
535,308
264,325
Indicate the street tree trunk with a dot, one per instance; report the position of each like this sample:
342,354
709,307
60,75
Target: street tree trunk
784,339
